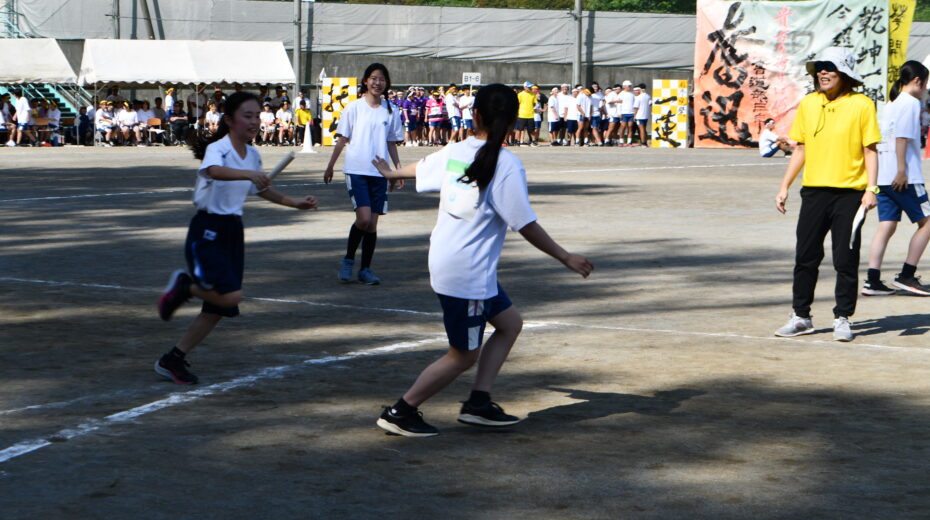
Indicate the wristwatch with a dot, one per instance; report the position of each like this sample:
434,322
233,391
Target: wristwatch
873,189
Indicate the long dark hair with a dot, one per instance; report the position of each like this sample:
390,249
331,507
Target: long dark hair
909,71
497,106
363,88
233,102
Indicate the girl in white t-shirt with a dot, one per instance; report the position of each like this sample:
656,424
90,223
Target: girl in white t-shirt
284,117
901,183
483,192
211,119
373,128
128,121
231,171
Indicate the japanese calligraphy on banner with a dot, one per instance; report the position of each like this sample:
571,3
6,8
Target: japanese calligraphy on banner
335,94
900,16
750,61
669,113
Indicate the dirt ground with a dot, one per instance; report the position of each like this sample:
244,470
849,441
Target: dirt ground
654,389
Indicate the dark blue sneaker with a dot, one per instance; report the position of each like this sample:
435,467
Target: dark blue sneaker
345,271
367,277
411,425
490,414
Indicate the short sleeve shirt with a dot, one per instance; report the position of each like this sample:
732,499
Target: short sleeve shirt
225,197
526,100
900,120
627,99
464,254
369,130
834,134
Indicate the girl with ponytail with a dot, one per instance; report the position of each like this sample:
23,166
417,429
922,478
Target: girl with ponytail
230,170
483,192
901,183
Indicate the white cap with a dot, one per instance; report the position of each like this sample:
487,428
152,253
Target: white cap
627,83
838,56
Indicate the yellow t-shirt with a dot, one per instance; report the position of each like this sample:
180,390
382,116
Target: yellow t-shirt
834,134
303,115
527,102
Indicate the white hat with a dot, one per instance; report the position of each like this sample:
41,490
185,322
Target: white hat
838,56
627,83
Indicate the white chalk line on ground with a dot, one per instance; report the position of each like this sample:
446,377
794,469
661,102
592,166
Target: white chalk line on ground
188,190
177,398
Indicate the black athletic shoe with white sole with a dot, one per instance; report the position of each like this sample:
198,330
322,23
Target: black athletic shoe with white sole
411,425
490,414
912,285
175,369
877,289
175,294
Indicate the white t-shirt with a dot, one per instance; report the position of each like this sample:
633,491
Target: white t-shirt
611,105
368,130
23,111
554,114
900,119
199,100
466,103
767,140
169,102
100,115
626,102
566,102
145,115
451,106
128,118
597,104
267,118
286,116
213,117
583,102
641,106
54,116
463,254
225,197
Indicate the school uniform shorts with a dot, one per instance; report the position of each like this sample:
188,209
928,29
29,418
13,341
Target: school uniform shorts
465,320
524,124
367,190
912,200
215,253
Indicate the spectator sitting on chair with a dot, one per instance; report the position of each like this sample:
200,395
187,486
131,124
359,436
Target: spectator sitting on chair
105,123
177,120
54,116
268,126
145,113
285,121
302,118
770,143
159,111
212,119
129,122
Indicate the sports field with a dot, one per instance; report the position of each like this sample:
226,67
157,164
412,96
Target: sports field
653,389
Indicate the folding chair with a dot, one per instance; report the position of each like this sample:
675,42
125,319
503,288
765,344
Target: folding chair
154,127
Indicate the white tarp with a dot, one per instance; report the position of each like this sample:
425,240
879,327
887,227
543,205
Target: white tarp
30,60
139,62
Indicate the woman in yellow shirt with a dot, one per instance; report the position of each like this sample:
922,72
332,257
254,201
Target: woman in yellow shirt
302,118
837,131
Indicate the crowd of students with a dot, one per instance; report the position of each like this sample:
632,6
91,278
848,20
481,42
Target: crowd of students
579,116
20,119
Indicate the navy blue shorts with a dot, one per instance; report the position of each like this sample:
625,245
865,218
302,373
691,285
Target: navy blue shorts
523,124
571,126
469,124
435,124
456,122
215,252
642,122
537,124
465,319
366,190
912,201
626,118
411,126
595,121
554,126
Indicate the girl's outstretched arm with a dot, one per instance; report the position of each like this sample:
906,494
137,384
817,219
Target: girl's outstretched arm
396,184
273,195
222,173
536,235
407,172
340,144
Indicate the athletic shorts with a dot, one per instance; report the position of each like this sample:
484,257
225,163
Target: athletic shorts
771,153
215,253
642,121
626,118
614,119
523,124
595,121
582,119
537,123
411,126
554,126
446,124
456,122
469,124
571,126
465,319
913,201
368,191
435,124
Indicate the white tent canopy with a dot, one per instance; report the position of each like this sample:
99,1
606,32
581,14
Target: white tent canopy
33,60
139,62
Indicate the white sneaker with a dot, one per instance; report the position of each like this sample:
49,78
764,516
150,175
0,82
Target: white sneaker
841,330
11,143
796,326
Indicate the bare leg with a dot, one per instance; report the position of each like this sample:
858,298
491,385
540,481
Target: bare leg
507,326
439,374
230,299
198,330
918,242
886,228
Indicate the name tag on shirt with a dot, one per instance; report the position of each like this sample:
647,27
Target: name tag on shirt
457,198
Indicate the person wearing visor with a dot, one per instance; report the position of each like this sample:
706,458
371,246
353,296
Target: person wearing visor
837,132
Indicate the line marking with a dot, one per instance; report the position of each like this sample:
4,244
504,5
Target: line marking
133,193
654,168
177,398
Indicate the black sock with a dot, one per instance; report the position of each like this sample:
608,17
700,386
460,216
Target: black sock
479,398
355,238
176,352
875,275
369,240
908,271
402,408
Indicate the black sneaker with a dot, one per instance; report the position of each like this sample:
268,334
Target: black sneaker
490,414
411,425
911,285
175,294
175,369
877,289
